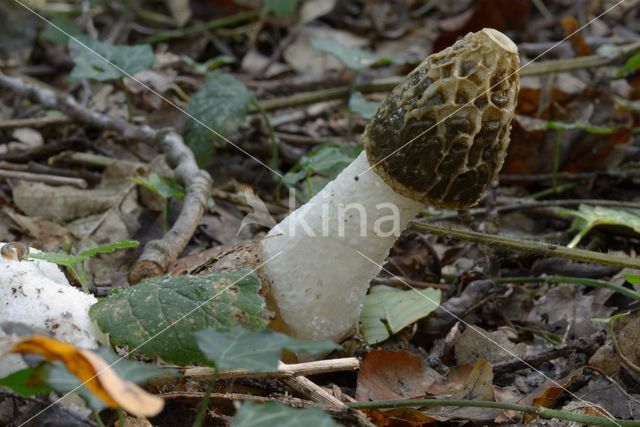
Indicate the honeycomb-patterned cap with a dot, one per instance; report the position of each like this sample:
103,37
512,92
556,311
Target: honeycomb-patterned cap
441,136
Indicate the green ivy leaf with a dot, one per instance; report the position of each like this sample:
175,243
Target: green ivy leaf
89,56
255,351
357,104
318,167
220,104
24,383
352,57
281,8
271,414
151,315
55,375
387,310
52,34
588,217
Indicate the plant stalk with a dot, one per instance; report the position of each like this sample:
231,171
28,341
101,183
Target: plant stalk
540,412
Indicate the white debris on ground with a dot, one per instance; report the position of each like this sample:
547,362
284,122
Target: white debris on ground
37,293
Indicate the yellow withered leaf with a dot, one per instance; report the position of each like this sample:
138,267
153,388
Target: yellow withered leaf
96,375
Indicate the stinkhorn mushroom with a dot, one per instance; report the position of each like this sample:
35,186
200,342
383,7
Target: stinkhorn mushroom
439,139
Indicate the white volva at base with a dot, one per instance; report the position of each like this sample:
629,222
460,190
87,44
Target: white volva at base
319,281
37,293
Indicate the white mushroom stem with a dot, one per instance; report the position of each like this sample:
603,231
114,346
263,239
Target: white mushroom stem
439,139
320,278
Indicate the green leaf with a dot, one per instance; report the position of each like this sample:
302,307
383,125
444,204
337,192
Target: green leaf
24,383
634,279
58,258
209,65
109,248
281,8
352,57
167,188
160,315
273,414
357,104
255,351
318,167
73,260
55,374
101,61
587,217
220,104
387,310
52,34
630,66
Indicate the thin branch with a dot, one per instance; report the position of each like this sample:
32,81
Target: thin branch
533,204
585,345
157,254
314,392
31,122
535,69
528,246
541,412
202,373
46,178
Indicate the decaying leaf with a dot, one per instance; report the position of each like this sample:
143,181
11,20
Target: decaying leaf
95,373
494,346
565,312
477,386
388,375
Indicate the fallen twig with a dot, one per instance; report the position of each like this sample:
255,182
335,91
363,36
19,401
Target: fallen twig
157,254
46,178
533,69
200,373
568,176
34,122
540,412
586,345
314,392
528,246
533,204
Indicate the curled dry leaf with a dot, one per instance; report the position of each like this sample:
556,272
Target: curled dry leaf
95,373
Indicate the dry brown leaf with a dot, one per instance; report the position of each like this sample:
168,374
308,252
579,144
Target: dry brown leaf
95,373
477,386
569,101
401,417
571,28
389,375
457,376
